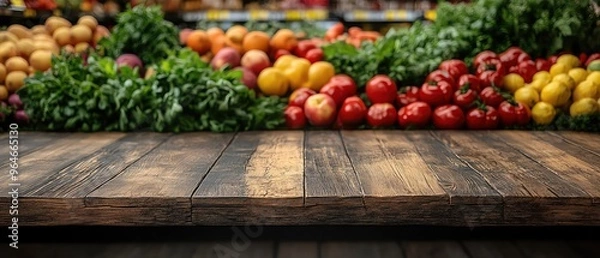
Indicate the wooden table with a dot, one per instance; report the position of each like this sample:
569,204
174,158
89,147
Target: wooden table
454,178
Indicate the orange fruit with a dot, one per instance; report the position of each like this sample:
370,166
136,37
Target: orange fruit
236,34
256,40
198,41
218,43
215,32
284,39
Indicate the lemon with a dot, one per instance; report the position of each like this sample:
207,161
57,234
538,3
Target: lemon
594,77
538,85
528,96
272,82
585,106
578,74
569,60
513,82
566,79
543,113
557,69
283,62
542,75
586,89
555,94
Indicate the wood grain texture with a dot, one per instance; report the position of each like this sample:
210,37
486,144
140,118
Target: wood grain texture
82,177
463,184
28,142
492,249
397,183
588,141
332,186
297,250
48,160
160,184
360,249
433,249
259,176
546,249
510,173
570,164
585,248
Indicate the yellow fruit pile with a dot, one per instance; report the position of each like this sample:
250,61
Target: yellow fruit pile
566,86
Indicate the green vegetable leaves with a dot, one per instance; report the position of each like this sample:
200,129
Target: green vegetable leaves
142,31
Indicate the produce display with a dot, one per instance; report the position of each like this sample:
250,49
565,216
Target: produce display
485,65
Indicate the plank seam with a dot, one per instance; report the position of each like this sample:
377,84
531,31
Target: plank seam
569,141
362,190
465,249
542,165
485,179
126,167
304,168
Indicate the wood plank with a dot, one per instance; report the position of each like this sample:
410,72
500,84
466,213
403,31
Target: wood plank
82,177
259,178
397,183
588,141
577,166
471,196
159,185
360,250
48,160
29,142
492,249
546,249
297,250
511,173
330,178
433,249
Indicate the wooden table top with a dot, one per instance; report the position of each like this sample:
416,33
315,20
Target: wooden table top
375,177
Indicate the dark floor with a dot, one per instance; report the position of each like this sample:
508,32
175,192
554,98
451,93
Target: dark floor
307,242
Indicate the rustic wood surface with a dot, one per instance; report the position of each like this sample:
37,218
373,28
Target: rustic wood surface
314,249
378,177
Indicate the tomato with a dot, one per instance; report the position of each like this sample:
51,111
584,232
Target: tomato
491,96
299,96
448,117
591,58
346,82
514,114
484,118
523,57
294,117
303,47
484,57
352,112
336,92
510,57
542,64
436,94
439,76
553,59
381,89
490,78
527,69
465,97
381,115
416,114
454,67
471,81
314,55
492,65
407,95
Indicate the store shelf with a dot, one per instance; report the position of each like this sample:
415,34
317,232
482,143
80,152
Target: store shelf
382,16
239,16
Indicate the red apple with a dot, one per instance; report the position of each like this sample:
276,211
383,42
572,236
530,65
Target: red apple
256,61
299,96
248,77
294,117
226,56
320,110
336,92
